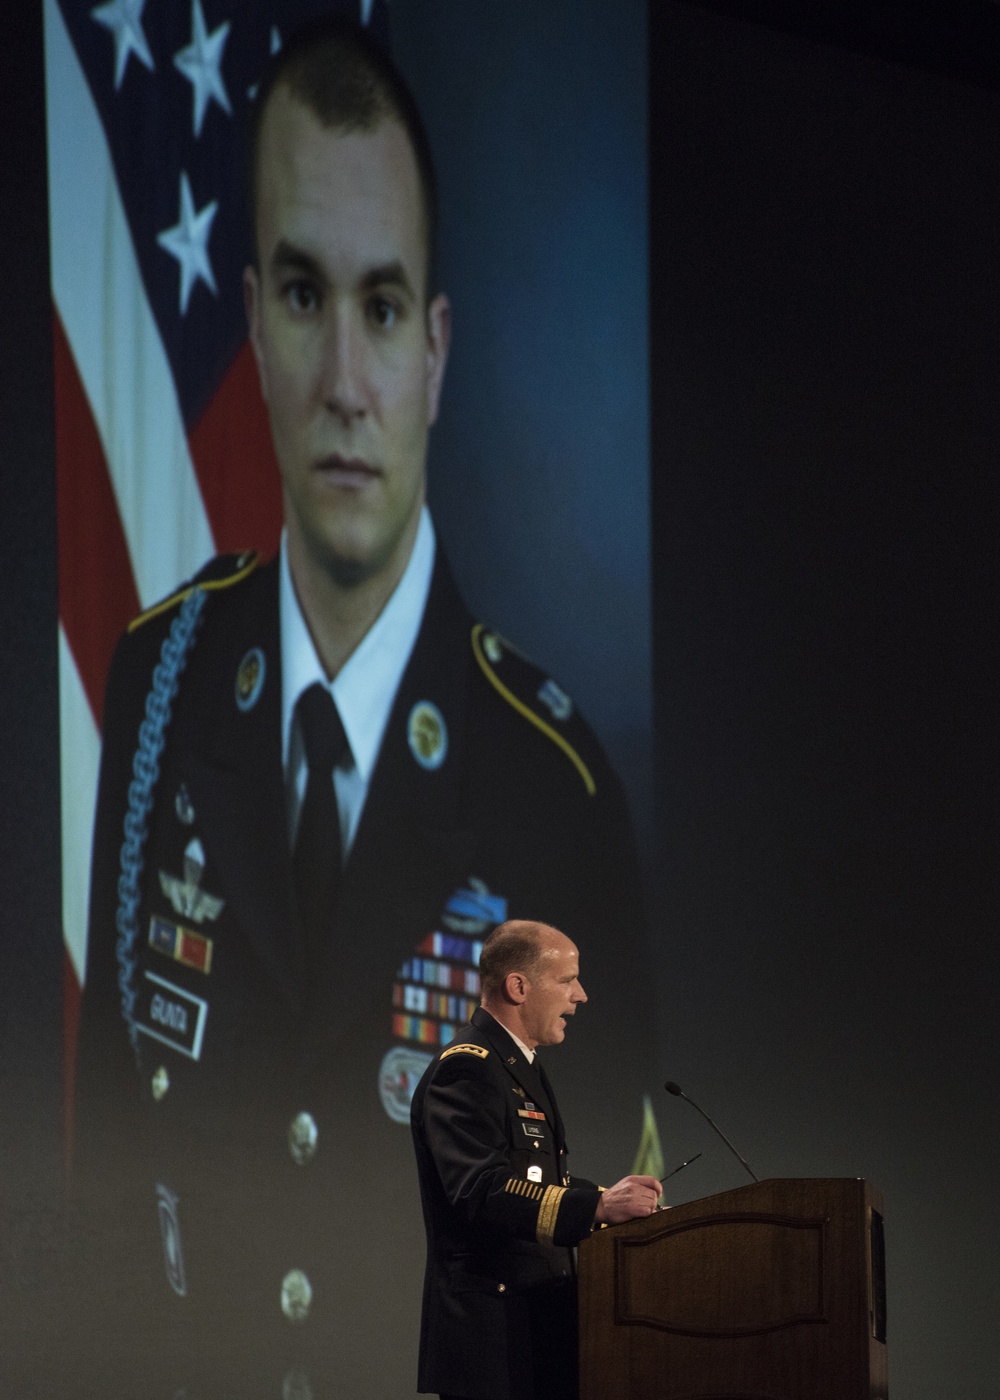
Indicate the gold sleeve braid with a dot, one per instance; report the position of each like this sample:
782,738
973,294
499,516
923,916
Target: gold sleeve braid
547,1213
517,1186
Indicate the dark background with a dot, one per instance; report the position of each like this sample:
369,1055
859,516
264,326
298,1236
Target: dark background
825,257
539,465
31,949
823,273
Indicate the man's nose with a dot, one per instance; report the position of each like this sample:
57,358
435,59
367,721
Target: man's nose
579,994
344,370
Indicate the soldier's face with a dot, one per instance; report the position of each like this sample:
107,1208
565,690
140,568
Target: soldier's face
554,992
350,356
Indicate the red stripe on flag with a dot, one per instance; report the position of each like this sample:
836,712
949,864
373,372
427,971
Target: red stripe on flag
97,593
235,463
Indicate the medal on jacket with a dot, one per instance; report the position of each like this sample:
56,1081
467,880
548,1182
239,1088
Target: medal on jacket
427,735
250,679
436,991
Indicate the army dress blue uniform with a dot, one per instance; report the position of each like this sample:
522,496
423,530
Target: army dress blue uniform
246,1216
502,1214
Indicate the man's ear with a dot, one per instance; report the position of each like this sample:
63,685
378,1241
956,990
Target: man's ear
438,342
515,988
251,304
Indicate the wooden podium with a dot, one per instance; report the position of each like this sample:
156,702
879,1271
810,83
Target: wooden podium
774,1291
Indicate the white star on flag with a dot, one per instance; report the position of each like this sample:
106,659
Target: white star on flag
187,241
254,88
124,19
201,63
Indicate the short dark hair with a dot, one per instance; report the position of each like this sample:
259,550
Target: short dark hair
514,946
346,79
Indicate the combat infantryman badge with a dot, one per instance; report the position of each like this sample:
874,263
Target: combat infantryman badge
473,910
185,896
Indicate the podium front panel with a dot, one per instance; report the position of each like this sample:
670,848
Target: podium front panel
769,1292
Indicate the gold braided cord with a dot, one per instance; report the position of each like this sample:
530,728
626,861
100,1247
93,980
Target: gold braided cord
465,1050
528,713
245,565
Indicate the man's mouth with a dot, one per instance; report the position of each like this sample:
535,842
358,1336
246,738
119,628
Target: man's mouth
350,473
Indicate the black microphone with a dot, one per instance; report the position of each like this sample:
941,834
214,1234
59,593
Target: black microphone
676,1089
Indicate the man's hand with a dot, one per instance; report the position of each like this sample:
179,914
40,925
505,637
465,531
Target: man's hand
628,1199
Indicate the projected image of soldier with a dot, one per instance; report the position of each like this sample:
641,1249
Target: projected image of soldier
322,784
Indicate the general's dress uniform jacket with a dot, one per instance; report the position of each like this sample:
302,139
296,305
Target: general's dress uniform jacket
501,1213
246,1216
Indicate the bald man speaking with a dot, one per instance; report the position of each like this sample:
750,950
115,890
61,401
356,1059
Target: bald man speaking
501,1210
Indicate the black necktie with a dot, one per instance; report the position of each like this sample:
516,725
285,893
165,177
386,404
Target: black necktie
317,859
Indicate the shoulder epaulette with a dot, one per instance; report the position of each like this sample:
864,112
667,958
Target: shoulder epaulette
465,1050
535,697
221,572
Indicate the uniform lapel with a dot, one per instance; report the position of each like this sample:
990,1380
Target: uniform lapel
235,775
530,1077
549,1102
412,847
514,1060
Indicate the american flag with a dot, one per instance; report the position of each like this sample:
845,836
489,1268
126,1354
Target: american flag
163,452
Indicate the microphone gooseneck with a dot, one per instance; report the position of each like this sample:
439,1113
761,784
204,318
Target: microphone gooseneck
679,1093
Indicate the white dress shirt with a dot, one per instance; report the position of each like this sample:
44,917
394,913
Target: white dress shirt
365,686
529,1055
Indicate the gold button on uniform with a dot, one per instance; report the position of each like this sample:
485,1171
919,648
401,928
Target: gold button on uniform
296,1386
296,1295
161,1083
303,1136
